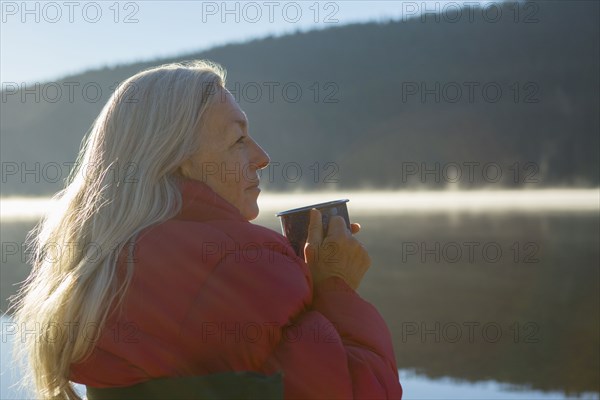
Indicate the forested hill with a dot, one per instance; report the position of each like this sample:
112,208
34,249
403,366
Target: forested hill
505,100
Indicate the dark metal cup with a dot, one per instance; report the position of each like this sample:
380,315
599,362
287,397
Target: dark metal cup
294,223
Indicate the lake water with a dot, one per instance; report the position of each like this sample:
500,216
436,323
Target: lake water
487,295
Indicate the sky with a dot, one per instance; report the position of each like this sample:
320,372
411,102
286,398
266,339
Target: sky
45,40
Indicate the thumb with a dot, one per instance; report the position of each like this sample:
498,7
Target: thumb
315,234
315,228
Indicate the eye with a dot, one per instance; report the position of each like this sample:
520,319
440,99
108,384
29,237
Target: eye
241,140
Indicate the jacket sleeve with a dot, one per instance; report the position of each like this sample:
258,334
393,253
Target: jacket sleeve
257,312
345,350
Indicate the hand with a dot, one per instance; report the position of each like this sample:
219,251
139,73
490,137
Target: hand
337,254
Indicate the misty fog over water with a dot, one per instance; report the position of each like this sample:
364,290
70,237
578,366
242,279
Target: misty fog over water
541,200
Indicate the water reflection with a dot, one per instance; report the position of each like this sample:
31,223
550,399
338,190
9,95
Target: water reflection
420,387
477,301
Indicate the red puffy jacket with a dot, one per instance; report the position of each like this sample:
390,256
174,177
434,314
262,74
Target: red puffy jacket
212,292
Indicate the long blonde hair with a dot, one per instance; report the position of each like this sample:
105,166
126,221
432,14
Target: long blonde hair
125,180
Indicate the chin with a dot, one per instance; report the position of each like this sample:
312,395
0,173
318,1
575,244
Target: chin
251,213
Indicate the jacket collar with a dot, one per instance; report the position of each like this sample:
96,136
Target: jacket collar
201,203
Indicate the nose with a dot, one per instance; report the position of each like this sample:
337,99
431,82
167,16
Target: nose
261,158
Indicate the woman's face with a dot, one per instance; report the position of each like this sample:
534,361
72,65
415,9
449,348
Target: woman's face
228,159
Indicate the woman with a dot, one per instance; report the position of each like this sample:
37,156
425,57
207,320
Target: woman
165,276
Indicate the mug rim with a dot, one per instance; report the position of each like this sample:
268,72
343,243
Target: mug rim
307,208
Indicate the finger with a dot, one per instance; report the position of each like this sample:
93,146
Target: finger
315,228
310,253
354,228
337,225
